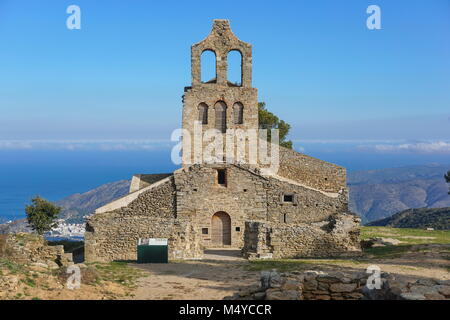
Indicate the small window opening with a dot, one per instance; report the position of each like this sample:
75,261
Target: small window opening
221,176
285,218
238,229
203,113
238,113
288,198
221,116
204,230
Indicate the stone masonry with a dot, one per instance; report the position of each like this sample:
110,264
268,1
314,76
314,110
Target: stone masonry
337,285
299,210
28,248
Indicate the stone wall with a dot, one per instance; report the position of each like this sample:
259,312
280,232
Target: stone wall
308,205
114,235
335,285
312,172
210,94
337,236
159,201
141,181
298,167
157,198
200,197
221,41
192,196
248,196
30,248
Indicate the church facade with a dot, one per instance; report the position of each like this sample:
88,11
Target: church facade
298,210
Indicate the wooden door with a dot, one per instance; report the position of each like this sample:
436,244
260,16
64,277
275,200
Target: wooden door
221,229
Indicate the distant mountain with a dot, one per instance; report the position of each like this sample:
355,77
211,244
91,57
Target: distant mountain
15,226
78,205
438,219
377,194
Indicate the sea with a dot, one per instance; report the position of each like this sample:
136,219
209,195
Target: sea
55,174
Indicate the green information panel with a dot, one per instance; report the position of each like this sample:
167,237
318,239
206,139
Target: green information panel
152,251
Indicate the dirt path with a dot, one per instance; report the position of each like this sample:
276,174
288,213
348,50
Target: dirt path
425,261
221,273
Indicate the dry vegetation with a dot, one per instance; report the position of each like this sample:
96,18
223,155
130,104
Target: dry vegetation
98,282
420,253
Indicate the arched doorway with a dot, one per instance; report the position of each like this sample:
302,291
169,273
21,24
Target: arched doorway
221,229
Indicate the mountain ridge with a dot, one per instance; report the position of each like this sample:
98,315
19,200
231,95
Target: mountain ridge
436,218
377,194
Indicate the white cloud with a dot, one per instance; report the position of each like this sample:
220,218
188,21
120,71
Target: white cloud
417,147
75,145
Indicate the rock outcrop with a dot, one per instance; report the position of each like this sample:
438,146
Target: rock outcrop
25,248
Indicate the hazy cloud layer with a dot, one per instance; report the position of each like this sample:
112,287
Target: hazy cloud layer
416,147
79,145
378,146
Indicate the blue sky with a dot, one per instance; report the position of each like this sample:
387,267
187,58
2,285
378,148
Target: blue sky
316,65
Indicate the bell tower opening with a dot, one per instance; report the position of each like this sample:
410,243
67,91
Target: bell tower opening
234,68
208,66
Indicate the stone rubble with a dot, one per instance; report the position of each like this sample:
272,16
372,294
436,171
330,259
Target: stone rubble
32,249
319,285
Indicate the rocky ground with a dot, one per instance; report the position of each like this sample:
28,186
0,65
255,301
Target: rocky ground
221,273
38,282
416,258
219,276
31,269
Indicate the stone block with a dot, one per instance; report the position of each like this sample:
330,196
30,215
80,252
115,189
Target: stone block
342,287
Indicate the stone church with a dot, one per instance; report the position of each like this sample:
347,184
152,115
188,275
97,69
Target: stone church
299,210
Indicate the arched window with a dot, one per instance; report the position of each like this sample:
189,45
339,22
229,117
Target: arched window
208,66
235,68
221,116
203,113
238,113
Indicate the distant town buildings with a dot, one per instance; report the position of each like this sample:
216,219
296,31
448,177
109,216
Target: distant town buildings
67,230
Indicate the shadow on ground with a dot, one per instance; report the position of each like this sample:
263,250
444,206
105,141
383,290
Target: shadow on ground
224,272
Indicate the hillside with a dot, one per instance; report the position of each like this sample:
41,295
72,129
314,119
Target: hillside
438,219
78,205
377,194
20,225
